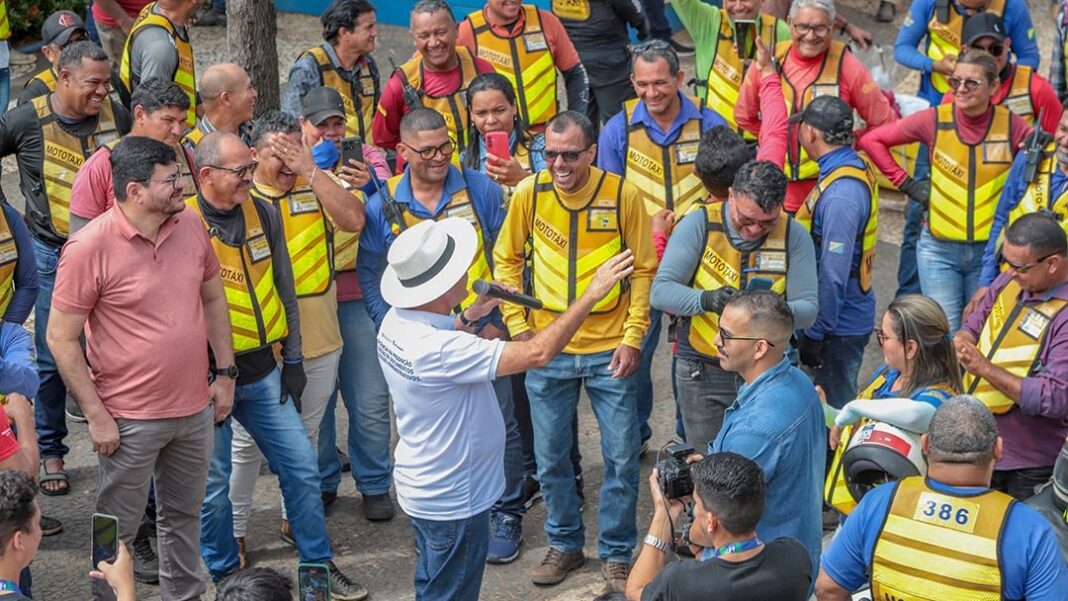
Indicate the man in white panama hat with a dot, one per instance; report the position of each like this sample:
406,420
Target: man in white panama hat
450,457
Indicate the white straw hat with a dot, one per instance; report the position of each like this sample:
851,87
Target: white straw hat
426,260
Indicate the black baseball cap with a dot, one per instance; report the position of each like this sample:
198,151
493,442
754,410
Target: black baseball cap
60,25
321,103
983,25
829,114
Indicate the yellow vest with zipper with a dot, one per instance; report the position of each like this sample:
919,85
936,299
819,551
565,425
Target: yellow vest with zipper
1012,338
664,175
453,107
184,73
5,25
1019,100
568,245
966,180
257,315
308,237
724,80
572,10
798,165
64,154
869,238
526,60
1038,195
936,545
360,97
944,39
9,258
724,265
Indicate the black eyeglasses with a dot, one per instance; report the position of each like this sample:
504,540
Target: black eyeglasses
727,337
240,171
995,50
569,156
1028,266
805,29
432,151
969,83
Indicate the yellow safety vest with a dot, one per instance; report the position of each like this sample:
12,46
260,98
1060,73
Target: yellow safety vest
664,175
184,73
360,97
257,315
1012,338
724,81
944,39
47,77
9,258
460,205
308,237
936,545
869,237
966,179
1038,195
571,10
1019,100
5,25
724,265
798,164
452,106
64,154
568,245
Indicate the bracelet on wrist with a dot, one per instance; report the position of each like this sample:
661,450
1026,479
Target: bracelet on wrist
467,323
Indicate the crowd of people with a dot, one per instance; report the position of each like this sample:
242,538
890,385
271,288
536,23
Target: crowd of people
210,279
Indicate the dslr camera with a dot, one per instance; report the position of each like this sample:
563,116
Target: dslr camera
675,479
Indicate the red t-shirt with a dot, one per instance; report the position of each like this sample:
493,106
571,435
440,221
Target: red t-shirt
9,445
130,7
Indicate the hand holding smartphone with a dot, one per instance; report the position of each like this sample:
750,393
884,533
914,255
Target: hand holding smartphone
105,545
497,145
351,150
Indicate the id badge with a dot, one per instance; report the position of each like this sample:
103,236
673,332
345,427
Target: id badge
535,42
367,86
998,152
302,204
1033,324
686,153
601,220
258,248
770,261
464,211
8,252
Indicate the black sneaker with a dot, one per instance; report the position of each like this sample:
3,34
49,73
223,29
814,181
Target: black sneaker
531,491
50,526
329,498
887,12
343,458
146,564
344,588
73,411
378,508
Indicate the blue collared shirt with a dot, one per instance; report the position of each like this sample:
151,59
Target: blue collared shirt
26,283
612,145
487,198
777,421
18,369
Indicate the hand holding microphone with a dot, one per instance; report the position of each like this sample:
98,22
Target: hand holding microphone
509,295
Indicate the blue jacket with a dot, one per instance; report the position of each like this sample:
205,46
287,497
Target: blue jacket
907,51
376,237
18,369
839,220
26,283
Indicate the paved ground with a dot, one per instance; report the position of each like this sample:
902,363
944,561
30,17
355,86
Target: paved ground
381,555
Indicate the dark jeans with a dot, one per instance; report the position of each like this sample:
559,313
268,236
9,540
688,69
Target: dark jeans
511,501
705,392
908,277
52,395
644,375
521,405
451,557
655,16
842,356
1022,483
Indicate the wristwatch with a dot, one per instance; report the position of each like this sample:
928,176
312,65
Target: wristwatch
467,323
226,372
656,543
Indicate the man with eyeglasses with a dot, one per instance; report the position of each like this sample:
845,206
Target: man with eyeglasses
1014,350
575,216
715,251
812,64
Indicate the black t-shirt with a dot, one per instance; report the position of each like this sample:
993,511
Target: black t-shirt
782,571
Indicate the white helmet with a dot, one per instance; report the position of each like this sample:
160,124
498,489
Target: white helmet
879,453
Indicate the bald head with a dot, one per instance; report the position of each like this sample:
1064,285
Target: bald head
228,96
217,79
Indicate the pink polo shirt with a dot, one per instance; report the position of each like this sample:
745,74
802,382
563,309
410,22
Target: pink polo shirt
146,337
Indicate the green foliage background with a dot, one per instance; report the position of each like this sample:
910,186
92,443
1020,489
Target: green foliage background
26,16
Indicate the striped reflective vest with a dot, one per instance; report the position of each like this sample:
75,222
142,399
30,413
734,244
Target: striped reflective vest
452,106
5,25
944,38
184,72
308,237
1039,196
360,97
1019,100
9,258
664,175
799,166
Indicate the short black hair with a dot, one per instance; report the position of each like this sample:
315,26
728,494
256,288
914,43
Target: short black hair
763,182
1041,232
17,494
156,93
134,159
768,313
421,119
342,14
720,154
255,584
72,55
561,121
732,487
272,122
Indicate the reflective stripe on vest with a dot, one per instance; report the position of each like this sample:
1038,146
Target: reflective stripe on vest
944,39
64,154
360,97
1012,338
9,258
184,72
571,10
5,25
526,60
1038,195
453,106
720,90
568,245
1019,100
866,239
664,175
460,205
47,77
935,545
257,315
307,235
724,265
966,180
798,165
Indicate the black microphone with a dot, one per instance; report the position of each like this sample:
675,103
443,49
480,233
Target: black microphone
484,288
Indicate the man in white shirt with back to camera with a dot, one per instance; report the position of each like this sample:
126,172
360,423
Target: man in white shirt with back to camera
449,463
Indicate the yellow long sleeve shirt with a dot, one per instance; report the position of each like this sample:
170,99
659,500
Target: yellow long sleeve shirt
626,324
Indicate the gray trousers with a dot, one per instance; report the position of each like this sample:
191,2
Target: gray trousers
705,391
177,453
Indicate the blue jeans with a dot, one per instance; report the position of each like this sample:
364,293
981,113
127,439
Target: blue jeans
5,89
279,433
451,557
219,6
51,398
521,405
842,356
644,375
949,273
908,278
366,397
511,501
554,394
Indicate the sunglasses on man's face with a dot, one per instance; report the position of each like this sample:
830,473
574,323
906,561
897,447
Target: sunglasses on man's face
569,156
995,50
969,83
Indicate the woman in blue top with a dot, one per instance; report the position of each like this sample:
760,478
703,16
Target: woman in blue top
491,106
